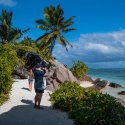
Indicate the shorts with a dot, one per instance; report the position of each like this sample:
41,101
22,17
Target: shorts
30,80
39,90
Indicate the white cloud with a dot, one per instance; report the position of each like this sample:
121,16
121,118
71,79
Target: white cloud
95,48
10,3
100,48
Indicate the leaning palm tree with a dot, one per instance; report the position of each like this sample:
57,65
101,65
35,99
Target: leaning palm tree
7,32
54,25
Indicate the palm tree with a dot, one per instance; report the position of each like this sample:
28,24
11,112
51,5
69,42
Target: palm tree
54,24
27,41
7,32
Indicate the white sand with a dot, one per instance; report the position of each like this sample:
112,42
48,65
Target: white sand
107,90
114,92
85,84
18,110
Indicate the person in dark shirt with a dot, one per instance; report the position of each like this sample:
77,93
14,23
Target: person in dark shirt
38,85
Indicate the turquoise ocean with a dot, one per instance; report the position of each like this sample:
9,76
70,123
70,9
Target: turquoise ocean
116,75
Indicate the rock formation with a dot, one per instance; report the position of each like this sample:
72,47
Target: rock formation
20,72
99,84
114,85
58,73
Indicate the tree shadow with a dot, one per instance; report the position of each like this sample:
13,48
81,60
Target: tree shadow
25,88
28,115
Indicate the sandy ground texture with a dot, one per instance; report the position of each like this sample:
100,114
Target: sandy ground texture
114,92
18,110
86,84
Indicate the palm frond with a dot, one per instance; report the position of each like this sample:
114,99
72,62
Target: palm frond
14,34
43,22
55,24
68,30
66,41
43,27
70,19
65,25
61,41
24,31
46,38
38,40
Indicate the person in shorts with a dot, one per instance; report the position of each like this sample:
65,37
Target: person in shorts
30,79
38,84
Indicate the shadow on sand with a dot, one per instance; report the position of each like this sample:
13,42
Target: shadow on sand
27,115
25,88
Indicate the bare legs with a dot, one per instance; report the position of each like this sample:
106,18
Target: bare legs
37,99
30,86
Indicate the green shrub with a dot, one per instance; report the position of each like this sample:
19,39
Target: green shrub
123,123
27,42
22,49
8,59
79,69
88,107
98,109
66,94
45,54
3,98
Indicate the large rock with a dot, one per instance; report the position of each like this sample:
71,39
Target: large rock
58,73
121,93
96,81
99,84
114,85
87,78
20,72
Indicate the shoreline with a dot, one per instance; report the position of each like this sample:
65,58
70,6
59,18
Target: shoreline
107,90
114,92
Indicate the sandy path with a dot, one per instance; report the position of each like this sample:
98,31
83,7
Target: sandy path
86,84
18,110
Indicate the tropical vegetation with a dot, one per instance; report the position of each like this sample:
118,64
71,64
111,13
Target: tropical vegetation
54,25
8,59
79,69
8,34
87,107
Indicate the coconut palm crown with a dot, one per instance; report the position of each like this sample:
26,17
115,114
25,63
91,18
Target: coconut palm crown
54,25
7,32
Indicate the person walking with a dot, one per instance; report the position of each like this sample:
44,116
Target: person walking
39,73
30,79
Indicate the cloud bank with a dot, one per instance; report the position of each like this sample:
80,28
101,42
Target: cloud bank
95,48
10,3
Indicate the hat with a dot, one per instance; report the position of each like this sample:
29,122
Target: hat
38,65
43,64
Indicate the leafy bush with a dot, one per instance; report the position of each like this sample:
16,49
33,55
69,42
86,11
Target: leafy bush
98,109
8,59
3,98
27,42
22,49
88,107
66,94
45,54
79,69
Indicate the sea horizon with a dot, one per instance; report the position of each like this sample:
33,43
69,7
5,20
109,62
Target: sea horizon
116,75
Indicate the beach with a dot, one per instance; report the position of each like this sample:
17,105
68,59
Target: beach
86,84
115,75
114,92
107,90
18,110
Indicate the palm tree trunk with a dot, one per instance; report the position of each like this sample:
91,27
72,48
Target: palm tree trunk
52,45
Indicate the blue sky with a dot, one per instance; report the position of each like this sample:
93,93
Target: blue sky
100,37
